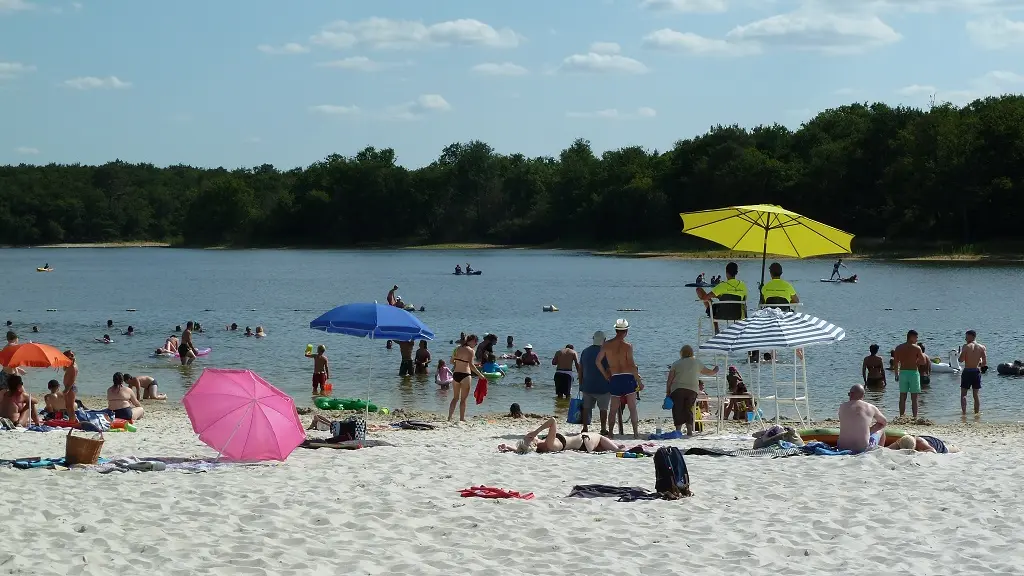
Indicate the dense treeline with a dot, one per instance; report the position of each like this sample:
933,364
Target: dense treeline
948,173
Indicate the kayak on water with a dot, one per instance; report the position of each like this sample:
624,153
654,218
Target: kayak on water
44,269
850,280
700,285
473,273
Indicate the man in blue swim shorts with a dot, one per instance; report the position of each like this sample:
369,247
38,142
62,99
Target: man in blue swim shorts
621,373
975,360
907,357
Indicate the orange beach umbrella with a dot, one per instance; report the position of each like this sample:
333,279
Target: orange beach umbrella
33,355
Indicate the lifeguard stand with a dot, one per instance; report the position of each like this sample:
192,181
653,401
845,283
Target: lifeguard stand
724,311
792,389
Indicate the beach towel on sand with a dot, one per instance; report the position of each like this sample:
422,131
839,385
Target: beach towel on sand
481,390
622,493
491,492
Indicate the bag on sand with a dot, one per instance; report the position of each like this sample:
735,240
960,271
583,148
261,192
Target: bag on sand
576,411
351,429
671,479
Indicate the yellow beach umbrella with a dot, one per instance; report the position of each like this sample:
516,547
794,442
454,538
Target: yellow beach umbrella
767,229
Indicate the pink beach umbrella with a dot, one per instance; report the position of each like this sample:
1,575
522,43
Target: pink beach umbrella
242,416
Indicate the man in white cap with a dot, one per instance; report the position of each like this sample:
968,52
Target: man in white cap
593,385
529,358
622,373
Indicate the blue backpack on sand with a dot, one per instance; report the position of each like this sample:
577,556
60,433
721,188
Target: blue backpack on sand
671,479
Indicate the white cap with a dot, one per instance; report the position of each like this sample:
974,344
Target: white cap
528,347
599,338
621,325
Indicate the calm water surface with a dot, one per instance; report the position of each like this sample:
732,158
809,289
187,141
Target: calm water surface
283,290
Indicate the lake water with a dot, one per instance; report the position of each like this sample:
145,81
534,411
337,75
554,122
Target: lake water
283,290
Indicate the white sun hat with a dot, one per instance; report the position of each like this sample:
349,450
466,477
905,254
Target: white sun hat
621,325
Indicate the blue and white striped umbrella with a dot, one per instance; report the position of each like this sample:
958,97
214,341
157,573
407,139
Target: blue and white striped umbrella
771,329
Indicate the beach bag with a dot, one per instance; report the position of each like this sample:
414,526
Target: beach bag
576,411
671,479
346,430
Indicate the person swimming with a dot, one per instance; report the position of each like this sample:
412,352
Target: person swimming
248,331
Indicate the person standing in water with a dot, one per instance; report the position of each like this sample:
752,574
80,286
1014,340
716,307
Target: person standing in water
835,269
564,361
406,367
321,370
622,374
186,349
908,357
974,357
925,368
872,369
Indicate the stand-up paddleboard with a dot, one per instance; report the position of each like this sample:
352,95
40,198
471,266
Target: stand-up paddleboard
165,354
850,280
102,341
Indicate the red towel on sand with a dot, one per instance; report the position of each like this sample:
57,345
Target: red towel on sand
481,390
491,492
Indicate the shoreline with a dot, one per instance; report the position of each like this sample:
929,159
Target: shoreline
995,257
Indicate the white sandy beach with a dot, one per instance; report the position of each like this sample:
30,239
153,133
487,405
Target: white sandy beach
396,510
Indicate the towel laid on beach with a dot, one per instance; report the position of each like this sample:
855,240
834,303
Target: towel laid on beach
673,435
49,463
480,392
822,449
766,452
314,443
414,425
186,465
492,492
622,493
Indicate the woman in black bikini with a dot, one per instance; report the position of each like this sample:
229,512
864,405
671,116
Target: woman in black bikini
463,370
556,442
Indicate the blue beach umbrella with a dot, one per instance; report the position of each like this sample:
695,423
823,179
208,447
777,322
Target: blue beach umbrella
374,321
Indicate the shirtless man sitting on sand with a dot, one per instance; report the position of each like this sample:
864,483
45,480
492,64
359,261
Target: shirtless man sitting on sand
974,357
908,356
860,422
622,374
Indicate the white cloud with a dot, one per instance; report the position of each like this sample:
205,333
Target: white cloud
360,64
696,6
605,48
669,39
421,106
916,90
920,5
615,114
289,48
8,6
10,70
26,150
603,63
334,110
96,83
499,69
834,33
77,6
996,33
384,33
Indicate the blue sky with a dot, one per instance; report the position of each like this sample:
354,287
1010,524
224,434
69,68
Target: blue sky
243,82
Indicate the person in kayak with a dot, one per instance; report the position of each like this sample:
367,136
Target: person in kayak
835,269
469,269
458,268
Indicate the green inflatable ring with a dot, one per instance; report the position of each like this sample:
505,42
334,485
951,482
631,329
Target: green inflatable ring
493,375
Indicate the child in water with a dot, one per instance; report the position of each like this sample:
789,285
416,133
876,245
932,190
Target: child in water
443,378
491,366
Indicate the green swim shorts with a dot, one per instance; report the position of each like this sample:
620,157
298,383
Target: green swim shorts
910,381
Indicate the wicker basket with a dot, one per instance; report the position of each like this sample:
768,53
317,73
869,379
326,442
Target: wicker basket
81,450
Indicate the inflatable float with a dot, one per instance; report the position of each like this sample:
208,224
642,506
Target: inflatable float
344,404
1015,368
102,341
850,280
951,367
491,376
166,354
830,436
